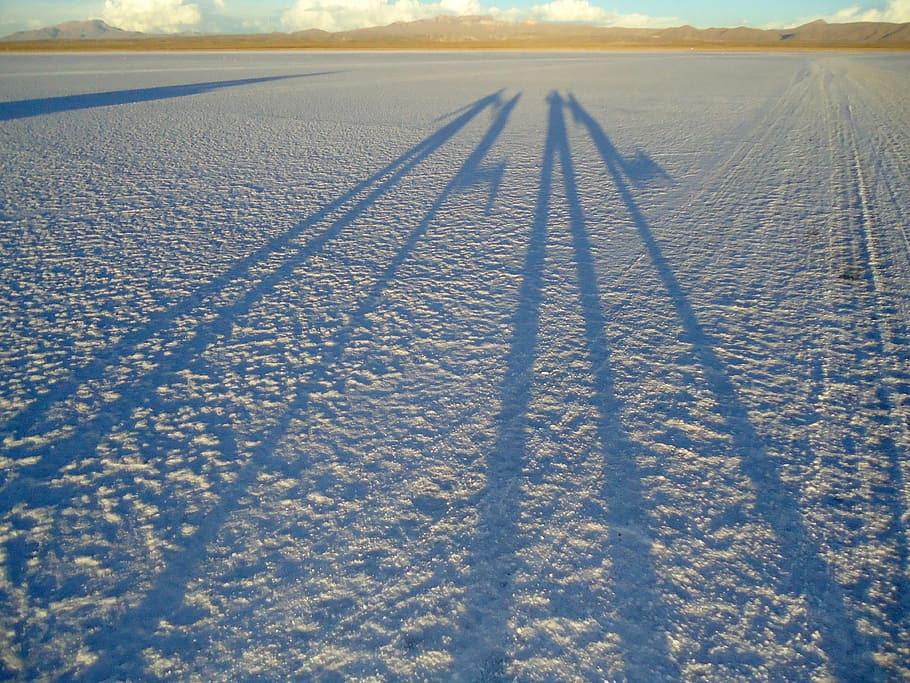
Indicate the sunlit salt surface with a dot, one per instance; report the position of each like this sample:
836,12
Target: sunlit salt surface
454,366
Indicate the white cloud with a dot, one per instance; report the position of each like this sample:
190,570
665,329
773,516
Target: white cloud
339,15
577,11
164,16
583,12
897,11
510,14
462,7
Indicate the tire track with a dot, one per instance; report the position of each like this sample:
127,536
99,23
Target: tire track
875,217
754,147
756,151
777,504
856,391
887,137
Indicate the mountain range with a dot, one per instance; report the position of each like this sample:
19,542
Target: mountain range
475,31
94,29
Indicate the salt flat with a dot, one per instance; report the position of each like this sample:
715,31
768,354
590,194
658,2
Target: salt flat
455,366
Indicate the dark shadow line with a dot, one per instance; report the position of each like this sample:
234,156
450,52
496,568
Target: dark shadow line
641,168
493,556
642,622
809,575
169,589
29,421
448,114
492,177
22,109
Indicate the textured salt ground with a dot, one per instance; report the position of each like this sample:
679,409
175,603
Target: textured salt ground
454,366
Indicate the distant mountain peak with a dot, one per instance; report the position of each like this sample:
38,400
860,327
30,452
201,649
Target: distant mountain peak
92,29
90,24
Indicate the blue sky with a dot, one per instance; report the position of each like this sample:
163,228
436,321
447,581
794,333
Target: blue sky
287,15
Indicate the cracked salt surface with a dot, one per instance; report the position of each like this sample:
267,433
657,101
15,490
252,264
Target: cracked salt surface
454,366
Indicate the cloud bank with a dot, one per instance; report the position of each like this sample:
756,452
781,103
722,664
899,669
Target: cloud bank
151,16
339,15
170,16
583,12
897,11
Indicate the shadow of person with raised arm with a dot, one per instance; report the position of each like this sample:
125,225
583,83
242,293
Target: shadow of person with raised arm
807,573
166,362
35,418
59,453
118,657
480,644
642,621
481,648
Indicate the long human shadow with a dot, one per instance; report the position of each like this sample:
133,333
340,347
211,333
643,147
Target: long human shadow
493,558
168,361
848,651
28,421
22,109
642,616
169,589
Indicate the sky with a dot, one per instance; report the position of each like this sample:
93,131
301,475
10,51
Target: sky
243,16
